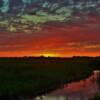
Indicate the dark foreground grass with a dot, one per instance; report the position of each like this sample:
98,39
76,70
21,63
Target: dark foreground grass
96,97
34,76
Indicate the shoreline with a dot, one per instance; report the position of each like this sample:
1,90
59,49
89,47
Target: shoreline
31,77
42,92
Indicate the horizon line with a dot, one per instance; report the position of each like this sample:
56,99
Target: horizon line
49,56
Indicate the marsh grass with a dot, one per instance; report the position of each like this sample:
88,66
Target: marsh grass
34,76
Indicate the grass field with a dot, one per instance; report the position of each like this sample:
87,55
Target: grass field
36,75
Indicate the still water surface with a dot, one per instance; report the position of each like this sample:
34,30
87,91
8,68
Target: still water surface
81,90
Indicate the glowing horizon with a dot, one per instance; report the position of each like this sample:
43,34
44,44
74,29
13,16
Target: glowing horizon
30,54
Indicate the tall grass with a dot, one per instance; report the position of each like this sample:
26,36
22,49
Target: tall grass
33,76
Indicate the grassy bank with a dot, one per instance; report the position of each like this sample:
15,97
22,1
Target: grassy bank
96,97
33,76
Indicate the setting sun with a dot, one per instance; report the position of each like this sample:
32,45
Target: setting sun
49,55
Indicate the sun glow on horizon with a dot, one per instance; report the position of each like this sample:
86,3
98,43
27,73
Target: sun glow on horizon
49,55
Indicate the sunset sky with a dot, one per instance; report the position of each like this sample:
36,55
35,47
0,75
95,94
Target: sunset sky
65,33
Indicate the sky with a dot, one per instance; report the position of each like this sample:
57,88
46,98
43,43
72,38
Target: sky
49,29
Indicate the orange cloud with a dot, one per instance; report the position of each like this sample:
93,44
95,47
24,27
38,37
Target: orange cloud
55,39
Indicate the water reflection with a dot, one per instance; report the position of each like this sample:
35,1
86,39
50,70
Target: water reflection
81,90
51,98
